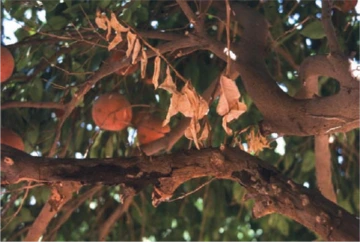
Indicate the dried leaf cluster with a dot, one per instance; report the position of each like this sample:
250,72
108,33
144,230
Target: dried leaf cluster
134,45
187,101
256,142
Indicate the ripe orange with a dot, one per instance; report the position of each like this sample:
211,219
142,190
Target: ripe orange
125,70
10,138
7,64
112,112
149,128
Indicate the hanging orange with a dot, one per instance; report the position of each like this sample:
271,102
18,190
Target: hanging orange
149,128
10,138
7,64
112,112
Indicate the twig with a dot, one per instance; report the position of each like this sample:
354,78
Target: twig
30,104
228,66
193,191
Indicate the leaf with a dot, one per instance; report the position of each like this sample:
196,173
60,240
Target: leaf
114,23
131,38
115,41
198,104
168,83
179,103
144,61
233,114
191,132
229,95
229,106
57,22
100,20
155,79
136,51
314,30
187,102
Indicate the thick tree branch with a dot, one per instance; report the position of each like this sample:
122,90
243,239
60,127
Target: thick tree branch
271,191
323,167
282,113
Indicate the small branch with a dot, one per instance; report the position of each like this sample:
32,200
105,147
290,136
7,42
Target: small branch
329,27
106,227
69,208
30,104
189,14
228,61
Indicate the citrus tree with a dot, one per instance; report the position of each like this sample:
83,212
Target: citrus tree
179,120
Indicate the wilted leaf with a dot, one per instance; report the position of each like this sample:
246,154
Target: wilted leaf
115,41
144,61
191,132
233,114
136,51
114,23
179,103
168,83
205,132
198,104
155,79
100,20
229,106
229,95
131,38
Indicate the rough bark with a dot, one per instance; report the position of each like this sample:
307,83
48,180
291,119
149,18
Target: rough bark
272,192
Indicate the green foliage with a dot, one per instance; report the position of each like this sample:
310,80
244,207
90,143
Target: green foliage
53,61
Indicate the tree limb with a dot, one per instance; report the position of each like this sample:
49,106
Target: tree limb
271,191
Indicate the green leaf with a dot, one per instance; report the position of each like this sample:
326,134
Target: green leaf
109,148
104,3
50,5
314,30
142,14
57,22
308,161
36,90
32,133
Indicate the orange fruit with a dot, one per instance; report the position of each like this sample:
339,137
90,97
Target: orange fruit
149,128
112,112
10,138
7,64
125,70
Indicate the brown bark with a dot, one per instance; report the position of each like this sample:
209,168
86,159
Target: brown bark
272,192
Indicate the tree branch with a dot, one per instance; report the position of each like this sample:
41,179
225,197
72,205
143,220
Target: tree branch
271,191
329,28
30,104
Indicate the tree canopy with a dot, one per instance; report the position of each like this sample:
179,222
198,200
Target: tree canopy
179,120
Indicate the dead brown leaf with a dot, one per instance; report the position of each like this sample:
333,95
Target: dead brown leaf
136,51
115,41
229,106
168,83
131,38
157,65
114,23
256,142
144,61
100,20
